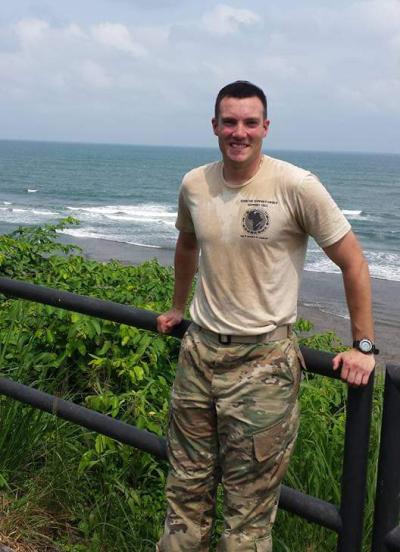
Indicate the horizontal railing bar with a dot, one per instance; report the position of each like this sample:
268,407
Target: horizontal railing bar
318,362
85,417
312,509
392,540
108,310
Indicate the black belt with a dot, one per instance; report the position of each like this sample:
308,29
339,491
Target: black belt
280,332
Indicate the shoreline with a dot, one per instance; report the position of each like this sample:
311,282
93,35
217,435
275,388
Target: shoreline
321,297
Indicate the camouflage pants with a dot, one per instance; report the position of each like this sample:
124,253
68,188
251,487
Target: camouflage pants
234,419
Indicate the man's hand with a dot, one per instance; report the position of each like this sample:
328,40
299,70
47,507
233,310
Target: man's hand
356,367
169,319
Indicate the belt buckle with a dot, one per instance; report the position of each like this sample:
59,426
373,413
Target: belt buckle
224,339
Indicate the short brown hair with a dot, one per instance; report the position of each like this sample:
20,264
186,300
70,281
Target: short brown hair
240,89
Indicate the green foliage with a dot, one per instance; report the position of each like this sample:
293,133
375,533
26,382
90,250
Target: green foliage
327,341
104,495
70,490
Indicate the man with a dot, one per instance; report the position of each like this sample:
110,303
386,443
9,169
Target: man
234,413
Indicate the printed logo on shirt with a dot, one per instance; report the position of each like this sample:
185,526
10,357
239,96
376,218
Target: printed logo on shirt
255,220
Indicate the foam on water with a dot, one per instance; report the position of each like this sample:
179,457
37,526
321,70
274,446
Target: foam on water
144,245
86,233
144,215
322,264
382,265
93,234
45,213
142,211
351,212
21,215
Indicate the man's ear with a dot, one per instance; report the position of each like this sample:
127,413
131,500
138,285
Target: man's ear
266,126
214,123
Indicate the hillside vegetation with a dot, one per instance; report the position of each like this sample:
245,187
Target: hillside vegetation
65,489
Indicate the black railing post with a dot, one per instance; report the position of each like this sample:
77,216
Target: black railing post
387,501
355,465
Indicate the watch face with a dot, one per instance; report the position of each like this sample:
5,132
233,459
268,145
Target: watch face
365,345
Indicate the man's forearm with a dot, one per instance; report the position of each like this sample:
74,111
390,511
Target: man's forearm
357,286
186,261
355,366
348,256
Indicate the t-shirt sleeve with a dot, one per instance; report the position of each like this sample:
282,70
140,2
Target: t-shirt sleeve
184,220
318,214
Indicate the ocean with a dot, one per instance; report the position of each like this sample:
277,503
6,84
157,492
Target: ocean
128,194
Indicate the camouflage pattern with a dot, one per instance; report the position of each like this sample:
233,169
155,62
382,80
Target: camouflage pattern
233,418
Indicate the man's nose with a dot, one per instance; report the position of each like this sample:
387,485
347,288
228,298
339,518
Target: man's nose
239,131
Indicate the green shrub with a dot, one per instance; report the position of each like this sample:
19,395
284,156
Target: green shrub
67,489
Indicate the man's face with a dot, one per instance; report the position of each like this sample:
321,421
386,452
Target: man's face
240,129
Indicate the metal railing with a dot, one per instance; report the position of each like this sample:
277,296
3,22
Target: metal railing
386,533
346,520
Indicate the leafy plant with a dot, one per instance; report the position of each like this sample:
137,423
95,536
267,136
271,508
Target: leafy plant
69,490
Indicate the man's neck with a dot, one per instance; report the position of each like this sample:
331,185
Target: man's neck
237,174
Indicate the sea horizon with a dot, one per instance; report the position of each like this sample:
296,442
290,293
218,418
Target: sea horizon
206,147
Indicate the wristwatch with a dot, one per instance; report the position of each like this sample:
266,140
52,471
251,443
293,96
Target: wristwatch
366,346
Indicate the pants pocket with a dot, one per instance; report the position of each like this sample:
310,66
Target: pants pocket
269,442
264,544
273,448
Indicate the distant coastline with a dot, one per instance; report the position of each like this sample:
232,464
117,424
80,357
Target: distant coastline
267,150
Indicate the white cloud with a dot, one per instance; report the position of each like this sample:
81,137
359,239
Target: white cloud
116,35
224,19
74,31
31,30
94,74
318,62
381,15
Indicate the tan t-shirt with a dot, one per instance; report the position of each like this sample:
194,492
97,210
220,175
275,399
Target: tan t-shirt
253,242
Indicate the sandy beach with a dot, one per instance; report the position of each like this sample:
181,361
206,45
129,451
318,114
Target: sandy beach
321,296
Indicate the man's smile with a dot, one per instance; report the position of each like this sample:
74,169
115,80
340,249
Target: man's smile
238,145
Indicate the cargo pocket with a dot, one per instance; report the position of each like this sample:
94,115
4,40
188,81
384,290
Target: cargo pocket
269,442
264,544
272,450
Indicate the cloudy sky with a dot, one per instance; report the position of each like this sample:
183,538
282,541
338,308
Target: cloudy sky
147,72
